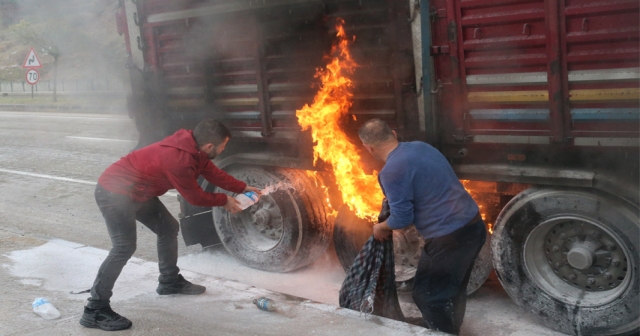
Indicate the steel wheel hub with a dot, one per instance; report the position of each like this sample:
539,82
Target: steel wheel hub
261,224
585,256
577,260
407,248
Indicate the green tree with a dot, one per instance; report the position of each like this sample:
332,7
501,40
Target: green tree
8,11
45,37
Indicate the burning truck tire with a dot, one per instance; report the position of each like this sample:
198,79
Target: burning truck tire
287,229
570,257
351,233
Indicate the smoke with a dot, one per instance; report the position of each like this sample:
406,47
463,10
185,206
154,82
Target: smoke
83,32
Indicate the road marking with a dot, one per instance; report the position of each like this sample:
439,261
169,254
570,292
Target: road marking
38,115
50,177
65,179
99,139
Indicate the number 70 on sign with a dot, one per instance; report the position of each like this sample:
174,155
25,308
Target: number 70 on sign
32,76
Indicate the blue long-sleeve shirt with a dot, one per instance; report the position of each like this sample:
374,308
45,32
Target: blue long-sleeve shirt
422,189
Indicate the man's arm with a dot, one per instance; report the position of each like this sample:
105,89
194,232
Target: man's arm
397,182
220,178
184,180
381,231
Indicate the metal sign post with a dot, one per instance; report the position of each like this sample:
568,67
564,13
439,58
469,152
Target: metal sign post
32,77
32,63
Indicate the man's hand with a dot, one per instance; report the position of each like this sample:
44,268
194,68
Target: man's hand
254,189
233,206
381,231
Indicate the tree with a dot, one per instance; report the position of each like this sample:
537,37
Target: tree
82,32
46,38
8,13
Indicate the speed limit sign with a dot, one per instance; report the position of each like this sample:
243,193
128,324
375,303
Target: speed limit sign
32,76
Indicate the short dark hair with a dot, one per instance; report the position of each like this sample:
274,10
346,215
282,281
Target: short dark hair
210,131
375,131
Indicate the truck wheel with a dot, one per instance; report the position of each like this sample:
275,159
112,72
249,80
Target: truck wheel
287,229
570,257
482,267
351,233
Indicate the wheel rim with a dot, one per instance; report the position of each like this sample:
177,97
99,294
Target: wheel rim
260,225
407,247
578,261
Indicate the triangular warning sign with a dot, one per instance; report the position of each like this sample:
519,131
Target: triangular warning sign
31,61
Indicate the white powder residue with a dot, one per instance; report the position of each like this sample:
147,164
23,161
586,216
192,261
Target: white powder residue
271,187
31,282
63,266
319,281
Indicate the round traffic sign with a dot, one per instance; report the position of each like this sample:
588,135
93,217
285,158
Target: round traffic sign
32,76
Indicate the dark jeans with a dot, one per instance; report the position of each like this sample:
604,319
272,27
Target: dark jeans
440,284
120,213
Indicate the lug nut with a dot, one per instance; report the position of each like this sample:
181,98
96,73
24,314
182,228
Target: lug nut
555,248
595,234
611,247
572,276
615,263
562,236
607,276
591,281
558,264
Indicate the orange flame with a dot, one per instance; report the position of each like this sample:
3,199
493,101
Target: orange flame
475,196
359,191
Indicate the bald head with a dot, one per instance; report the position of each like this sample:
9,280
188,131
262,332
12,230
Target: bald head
375,132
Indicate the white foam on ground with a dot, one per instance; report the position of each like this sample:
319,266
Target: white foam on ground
320,281
31,282
65,266
62,266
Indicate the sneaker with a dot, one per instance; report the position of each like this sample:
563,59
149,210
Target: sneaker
180,286
105,319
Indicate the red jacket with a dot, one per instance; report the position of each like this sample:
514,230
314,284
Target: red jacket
174,162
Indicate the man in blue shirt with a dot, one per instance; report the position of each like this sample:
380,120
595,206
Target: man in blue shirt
423,190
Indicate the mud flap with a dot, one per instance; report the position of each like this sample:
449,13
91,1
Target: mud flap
196,224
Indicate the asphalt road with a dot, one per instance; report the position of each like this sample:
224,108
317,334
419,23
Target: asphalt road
49,163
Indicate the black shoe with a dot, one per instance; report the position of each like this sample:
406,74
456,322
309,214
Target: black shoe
179,286
105,319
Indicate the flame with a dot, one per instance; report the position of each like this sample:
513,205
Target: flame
359,191
476,198
331,104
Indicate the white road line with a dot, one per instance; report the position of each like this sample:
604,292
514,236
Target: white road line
99,139
50,177
38,115
65,179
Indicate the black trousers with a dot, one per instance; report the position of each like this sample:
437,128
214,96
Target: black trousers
440,284
120,213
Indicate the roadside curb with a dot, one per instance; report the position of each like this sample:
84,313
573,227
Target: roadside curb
216,285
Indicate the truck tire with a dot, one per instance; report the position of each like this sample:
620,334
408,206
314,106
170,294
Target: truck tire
570,257
287,229
351,233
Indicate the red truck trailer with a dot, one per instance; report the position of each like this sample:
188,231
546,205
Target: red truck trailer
534,102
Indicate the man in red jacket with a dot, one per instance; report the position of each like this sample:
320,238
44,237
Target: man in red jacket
128,190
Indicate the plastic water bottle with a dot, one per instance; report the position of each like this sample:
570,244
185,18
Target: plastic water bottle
247,199
44,308
275,306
